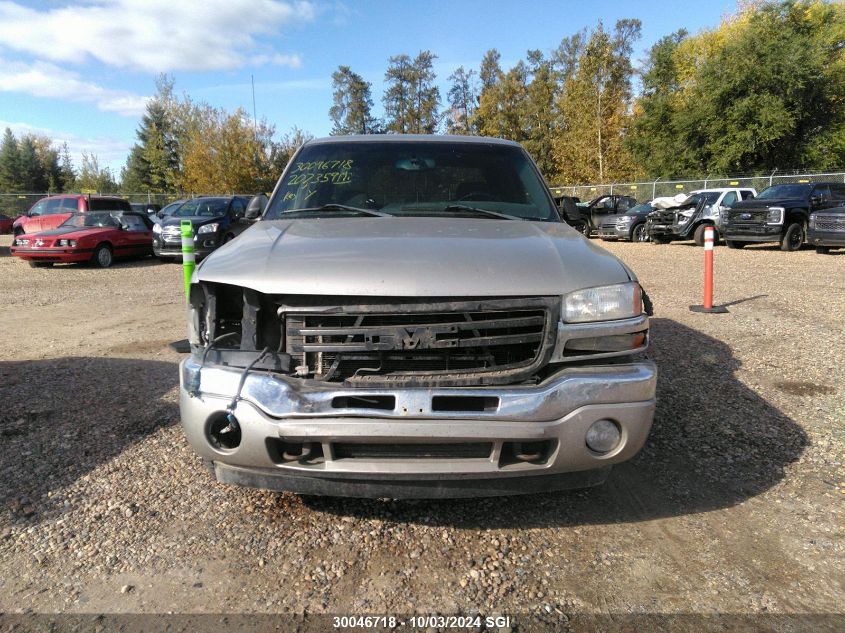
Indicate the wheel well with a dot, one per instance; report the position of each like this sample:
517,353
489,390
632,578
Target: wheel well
796,215
104,243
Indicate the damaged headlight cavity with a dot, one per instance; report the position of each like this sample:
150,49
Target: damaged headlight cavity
196,314
603,303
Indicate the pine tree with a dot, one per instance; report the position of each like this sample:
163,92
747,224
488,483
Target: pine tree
425,116
153,163
463,101
30,170
398,96
351,112
10,164
489,75
66,170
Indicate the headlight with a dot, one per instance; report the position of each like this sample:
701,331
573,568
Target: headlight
70,243
813,221
156,228
605,303
775,215
208,228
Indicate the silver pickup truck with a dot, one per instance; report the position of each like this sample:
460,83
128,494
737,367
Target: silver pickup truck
410,318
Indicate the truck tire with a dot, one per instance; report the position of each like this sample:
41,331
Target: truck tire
793,238
823,250
734,244
698,235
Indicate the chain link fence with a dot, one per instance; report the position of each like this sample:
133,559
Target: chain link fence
648,190
15,204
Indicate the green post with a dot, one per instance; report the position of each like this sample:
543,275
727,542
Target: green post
188,257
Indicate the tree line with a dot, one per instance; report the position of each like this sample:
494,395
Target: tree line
764,89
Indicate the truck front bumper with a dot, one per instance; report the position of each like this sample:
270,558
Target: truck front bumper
314,438
753,233
832,239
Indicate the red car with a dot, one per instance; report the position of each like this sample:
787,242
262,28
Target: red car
48,213
96,237
5,224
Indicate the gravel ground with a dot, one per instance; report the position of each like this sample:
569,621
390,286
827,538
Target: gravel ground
734,506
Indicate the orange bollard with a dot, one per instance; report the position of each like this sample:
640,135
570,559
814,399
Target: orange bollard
709,235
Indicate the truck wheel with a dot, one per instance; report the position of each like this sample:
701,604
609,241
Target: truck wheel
639,233
823,250
733,244
793,238
698,236
103,256
584,229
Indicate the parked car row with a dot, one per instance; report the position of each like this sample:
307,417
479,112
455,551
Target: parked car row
100,229
790,214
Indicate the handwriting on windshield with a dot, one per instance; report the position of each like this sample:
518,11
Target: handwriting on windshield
307,175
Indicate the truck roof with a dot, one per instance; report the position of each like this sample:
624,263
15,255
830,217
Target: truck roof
413,138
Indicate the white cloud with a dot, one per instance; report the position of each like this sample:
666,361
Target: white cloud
45,80
153,35
110,152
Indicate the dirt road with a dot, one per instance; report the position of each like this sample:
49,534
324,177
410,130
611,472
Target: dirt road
737,503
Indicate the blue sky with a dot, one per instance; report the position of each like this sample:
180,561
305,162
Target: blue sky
80,70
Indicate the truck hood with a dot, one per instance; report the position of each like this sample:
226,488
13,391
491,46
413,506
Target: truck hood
411,257
765,203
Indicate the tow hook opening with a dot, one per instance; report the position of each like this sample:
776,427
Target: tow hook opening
224,431
529,452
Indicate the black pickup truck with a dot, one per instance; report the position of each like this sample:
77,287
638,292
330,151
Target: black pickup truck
780,213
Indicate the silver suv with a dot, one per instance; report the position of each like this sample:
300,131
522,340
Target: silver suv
410,318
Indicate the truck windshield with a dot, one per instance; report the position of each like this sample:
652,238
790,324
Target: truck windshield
785,191
414,178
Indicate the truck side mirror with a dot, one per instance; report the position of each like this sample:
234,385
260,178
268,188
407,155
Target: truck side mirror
816,199
256,207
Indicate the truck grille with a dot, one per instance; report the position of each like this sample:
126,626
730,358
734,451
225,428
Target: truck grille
748,217
171,234
833,223
423,344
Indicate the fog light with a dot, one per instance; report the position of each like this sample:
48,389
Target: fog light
603,436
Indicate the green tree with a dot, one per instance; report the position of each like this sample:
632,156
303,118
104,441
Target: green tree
92,177
66,170
658,147
503,106
490,75
154,161
351,112
412,100
10,163
30,170
463,101
425,111
756,106
398,96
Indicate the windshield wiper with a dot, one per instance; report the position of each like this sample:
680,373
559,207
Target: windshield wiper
333,206
466,207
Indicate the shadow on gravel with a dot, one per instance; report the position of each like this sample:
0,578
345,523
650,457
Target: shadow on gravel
714,444
63,417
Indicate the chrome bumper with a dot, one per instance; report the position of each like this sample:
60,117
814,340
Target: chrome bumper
276,408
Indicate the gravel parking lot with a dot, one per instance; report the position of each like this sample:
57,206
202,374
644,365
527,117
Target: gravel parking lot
734,506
